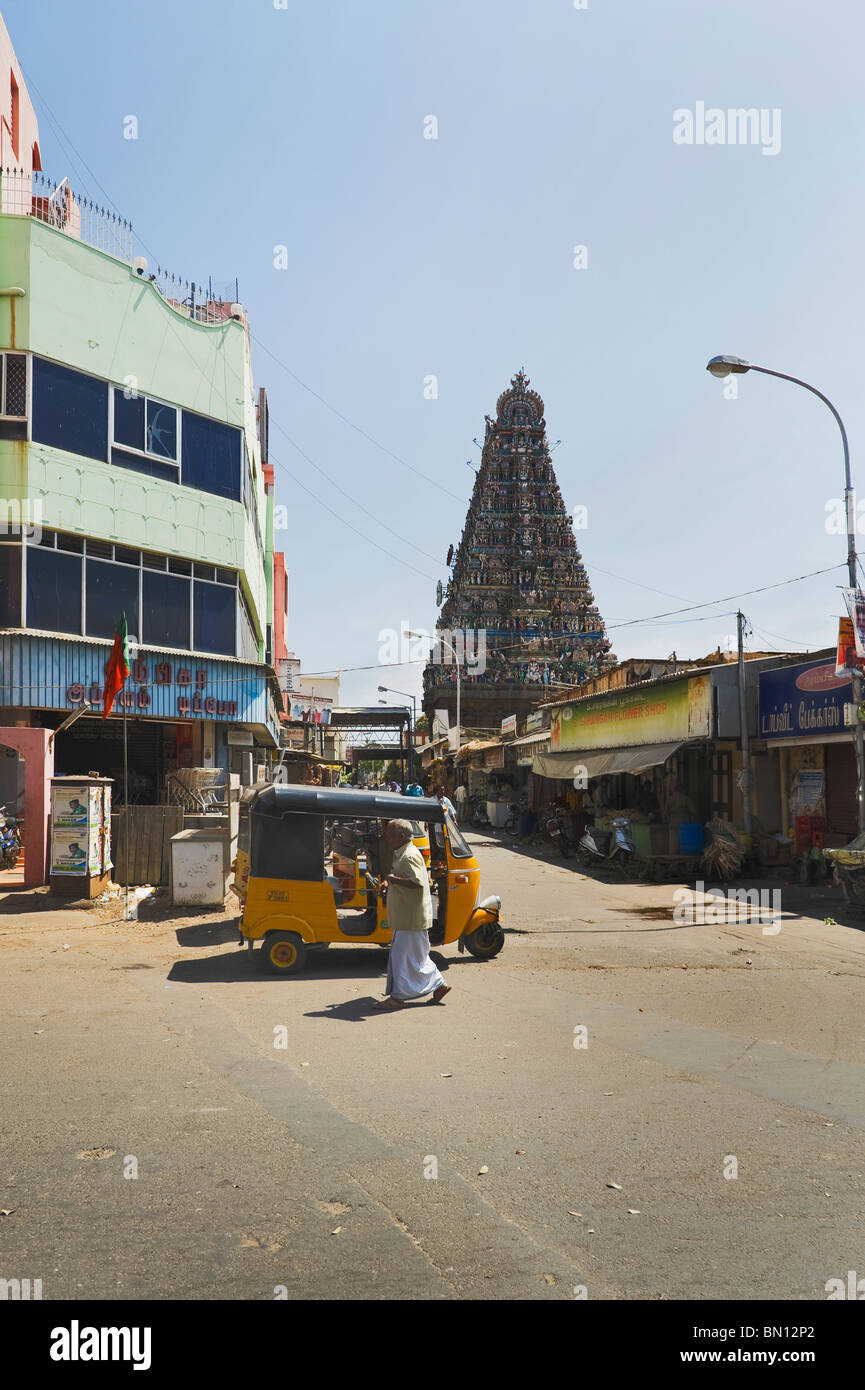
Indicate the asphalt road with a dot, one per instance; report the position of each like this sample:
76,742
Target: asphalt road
705,1142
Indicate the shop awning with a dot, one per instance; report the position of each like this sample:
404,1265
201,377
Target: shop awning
542,737
601,762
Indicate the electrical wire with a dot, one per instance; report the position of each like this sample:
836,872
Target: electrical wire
341,519
354,502
357,428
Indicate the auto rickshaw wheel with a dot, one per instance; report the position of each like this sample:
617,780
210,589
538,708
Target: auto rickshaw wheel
485,941
284,952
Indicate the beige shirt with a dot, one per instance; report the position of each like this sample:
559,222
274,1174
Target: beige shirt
408,909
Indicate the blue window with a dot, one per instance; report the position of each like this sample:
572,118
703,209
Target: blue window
165,616
70,410
10,586
146,425
111,590
53,590
211,456
214,607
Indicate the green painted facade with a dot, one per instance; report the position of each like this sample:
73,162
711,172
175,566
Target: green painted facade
90,311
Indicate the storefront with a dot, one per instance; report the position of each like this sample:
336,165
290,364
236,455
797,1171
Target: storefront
806,787
179,709
645,753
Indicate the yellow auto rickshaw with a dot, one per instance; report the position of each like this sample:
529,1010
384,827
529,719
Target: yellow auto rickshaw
302,888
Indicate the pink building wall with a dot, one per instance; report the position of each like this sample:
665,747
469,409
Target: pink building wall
32,744
19,128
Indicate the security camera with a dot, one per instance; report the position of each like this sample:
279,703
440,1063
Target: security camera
139,265
237,311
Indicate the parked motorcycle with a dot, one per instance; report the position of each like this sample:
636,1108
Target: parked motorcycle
611,846
478,813
557,831
10,840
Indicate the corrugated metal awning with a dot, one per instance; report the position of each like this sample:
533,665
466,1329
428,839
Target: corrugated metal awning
543,737
601,762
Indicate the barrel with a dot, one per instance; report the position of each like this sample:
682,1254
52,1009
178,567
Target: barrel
691,839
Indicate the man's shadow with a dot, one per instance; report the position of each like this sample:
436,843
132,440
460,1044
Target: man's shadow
358,1010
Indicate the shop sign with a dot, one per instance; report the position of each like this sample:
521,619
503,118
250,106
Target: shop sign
192,681
534,721
796,701
669,711
494,757
509,726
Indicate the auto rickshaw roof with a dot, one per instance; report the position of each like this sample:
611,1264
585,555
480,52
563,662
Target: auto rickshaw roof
278,799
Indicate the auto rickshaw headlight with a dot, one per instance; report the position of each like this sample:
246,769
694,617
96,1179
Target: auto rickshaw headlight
491,904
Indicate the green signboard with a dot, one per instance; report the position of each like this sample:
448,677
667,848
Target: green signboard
665,712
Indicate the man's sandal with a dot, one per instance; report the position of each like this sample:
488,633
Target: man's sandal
389,1004
439,994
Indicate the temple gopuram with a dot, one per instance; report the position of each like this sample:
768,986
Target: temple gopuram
518,595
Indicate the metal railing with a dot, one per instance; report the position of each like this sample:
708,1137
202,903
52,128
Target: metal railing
25,194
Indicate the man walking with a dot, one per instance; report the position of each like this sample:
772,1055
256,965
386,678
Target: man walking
445,801
461,796
410,972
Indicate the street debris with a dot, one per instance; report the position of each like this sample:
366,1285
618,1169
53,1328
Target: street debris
616,1185
483,1169
98,1153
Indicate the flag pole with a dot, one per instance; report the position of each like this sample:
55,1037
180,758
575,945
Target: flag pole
126,811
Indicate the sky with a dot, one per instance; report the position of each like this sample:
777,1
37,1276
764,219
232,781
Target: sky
285,143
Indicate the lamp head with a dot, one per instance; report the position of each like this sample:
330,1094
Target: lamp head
723,366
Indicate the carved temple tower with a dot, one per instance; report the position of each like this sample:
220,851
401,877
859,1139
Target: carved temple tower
519,596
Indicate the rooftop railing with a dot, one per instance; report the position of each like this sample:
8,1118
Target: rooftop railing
25,194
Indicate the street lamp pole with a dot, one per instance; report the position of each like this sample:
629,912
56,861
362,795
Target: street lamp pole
723,366
444,643
388,690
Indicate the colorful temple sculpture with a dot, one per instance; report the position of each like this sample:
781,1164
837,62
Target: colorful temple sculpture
518,610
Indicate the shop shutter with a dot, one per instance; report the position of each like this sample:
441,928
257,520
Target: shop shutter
840,763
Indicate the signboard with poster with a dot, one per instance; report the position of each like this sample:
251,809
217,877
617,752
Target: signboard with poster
856,608
81,833
847,660
509,726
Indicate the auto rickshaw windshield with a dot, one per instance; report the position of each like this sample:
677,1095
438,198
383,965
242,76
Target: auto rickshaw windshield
459,848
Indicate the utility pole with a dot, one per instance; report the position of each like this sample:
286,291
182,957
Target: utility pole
743,730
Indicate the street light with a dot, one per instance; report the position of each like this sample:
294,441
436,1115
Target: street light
723,366
386,690
444,643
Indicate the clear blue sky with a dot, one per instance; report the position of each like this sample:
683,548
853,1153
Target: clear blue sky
304,127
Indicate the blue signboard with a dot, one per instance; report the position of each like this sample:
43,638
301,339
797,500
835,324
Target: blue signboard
803,701
51,673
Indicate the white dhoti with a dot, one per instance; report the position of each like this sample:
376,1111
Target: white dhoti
410,972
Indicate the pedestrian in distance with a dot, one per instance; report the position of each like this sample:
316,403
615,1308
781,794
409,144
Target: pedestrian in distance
446,802
461,796
411,974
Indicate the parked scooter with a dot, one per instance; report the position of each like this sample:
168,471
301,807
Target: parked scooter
613,846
